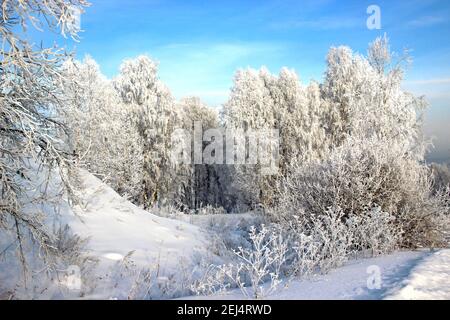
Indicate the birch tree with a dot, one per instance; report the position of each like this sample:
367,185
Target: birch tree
155,116
101,132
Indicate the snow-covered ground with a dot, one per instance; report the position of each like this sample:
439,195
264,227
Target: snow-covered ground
356,280
403,275
124,240
430,279
115,227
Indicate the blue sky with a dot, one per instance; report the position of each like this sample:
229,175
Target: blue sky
200,44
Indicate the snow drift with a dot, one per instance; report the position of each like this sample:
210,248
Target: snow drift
122,242
115,227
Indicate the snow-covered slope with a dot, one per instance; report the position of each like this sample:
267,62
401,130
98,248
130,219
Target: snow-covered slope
126,246
115,227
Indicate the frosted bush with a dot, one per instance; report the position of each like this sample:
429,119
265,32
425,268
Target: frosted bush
374,230
262,262
441,176
306,253
321,243
334,238
258,269
125,280
216,280
209,210
359,176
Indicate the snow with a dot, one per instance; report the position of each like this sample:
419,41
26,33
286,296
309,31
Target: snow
117,230
122,240
410,274
428,280
115,227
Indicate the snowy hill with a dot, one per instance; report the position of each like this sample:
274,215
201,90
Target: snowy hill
126,247
115,227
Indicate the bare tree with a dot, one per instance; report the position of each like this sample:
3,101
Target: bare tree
29,125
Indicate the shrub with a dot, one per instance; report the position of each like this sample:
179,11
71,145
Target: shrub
257,271
319,244
376,185
441,176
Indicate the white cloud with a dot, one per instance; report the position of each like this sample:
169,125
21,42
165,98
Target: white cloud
426,21
206,69
329,23
429,81
436,90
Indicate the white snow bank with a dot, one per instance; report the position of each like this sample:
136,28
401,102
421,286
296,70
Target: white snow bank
428,280
115,227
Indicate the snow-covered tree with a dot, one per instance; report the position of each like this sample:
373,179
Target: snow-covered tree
101,133
248,107
260,100
441,175
156,116
366,98
30,129
202,186
373,129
